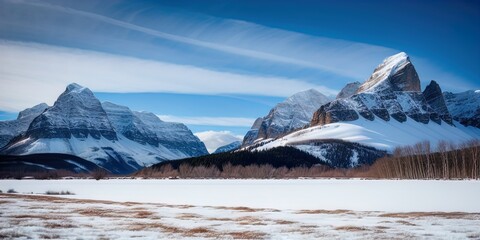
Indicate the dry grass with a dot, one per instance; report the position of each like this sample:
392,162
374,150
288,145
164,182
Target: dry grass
155,226
247,209
220,219
111,213
351,228
249,220
49,236
302,229
403,222
42,217
12,234
144,214
199,231
241,209
320,211
188,216
5,201
446,215
59,225
284,222
246,235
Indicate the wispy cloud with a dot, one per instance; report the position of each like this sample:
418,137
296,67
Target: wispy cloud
248,39
216,139
33,73
210,121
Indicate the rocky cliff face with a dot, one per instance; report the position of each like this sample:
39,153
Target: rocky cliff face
109,135
464,107
294,113
174,136
392,92
434,97
396,73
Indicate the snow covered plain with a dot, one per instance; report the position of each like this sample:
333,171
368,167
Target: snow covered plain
245,209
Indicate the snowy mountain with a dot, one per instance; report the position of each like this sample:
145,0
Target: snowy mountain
386,111
464,107
349,90
109,135
229,147
12,128
392,92
293,113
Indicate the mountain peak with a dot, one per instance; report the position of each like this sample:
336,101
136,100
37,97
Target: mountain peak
33,111
395,73
74,87
307,96
348,90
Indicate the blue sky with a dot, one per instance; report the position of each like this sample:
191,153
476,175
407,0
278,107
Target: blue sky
217,65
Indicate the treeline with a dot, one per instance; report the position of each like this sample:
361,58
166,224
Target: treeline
289,157
281,162
234,171
420,161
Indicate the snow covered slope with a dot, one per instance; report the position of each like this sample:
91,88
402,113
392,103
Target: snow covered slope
384,135
293,113
387,111
110,135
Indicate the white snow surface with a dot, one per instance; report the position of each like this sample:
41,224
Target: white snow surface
385,135
329,194
89,148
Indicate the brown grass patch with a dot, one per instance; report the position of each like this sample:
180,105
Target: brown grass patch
199,231
382,227
320,211
446,215
188,216
241,209
49,236
350,228
110,213
144,214
247,209
12,234
246,235
303,229
249,220
55,199
182,206
220,219
406,223
96,212
5,201
32,216
59,225
155,226
284,222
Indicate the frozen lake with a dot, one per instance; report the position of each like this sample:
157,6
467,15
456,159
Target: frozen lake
329,194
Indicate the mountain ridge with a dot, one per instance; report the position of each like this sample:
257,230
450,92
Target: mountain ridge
109,135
